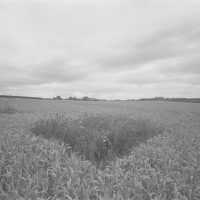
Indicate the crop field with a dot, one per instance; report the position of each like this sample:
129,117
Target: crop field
99,150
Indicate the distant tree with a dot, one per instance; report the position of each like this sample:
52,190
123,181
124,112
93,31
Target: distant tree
74,98
57,98
85,98
159,98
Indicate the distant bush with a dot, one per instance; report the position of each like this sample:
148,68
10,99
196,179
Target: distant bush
57,98
8,109
100,138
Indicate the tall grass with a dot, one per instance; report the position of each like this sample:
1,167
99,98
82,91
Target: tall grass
8,109
99,138
165,168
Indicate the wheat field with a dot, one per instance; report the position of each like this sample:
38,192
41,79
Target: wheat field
51,149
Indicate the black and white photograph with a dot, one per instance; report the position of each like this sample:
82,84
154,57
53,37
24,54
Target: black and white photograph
99,99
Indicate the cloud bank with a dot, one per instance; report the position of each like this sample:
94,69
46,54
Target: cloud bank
103,49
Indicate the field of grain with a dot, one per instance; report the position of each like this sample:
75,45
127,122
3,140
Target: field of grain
161,160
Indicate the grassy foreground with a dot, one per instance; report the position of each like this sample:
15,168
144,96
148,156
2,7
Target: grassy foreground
166,167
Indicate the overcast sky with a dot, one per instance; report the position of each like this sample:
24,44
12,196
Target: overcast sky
114,49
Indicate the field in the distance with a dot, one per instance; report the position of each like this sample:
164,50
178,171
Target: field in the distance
165,167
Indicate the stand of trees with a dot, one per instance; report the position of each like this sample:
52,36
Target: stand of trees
57,98
85,98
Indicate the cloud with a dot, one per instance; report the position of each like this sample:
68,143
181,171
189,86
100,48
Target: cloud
177,41
104,48
182,70
58,70
188,65
54,71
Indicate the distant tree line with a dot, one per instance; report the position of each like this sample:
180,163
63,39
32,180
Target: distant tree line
193,100
85,98
22,97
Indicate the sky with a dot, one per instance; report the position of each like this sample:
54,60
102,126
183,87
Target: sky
112,49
